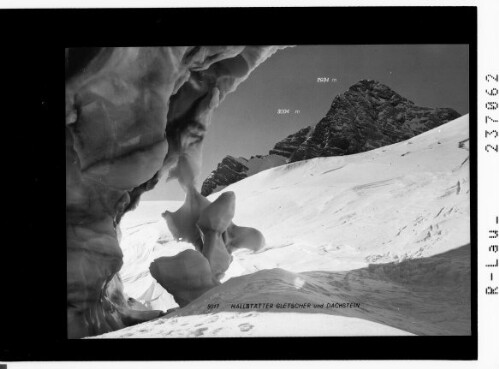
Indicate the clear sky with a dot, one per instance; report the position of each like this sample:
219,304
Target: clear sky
247,122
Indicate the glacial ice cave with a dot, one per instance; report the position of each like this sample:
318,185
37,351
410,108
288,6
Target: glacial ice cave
367,209
133,116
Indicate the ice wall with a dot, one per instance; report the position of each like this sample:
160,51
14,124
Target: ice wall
131,112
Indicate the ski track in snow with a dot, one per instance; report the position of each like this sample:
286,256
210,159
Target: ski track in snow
387,229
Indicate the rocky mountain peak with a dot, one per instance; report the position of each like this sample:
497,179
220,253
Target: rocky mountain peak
376,91
366,116
230,170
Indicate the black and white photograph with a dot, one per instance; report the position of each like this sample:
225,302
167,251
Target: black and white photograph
226,191
252,189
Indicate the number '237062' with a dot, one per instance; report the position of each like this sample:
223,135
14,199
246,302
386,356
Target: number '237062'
492,106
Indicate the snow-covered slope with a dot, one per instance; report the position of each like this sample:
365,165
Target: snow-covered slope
256,324
371,243
406,200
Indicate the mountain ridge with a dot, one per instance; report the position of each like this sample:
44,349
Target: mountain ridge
366,116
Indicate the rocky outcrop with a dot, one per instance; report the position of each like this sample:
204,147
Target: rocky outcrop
288,146
131,112
230,170
367,116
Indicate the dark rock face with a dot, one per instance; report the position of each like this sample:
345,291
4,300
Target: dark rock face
367,116
289,145
230,170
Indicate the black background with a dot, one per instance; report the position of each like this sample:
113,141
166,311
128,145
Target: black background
32,119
